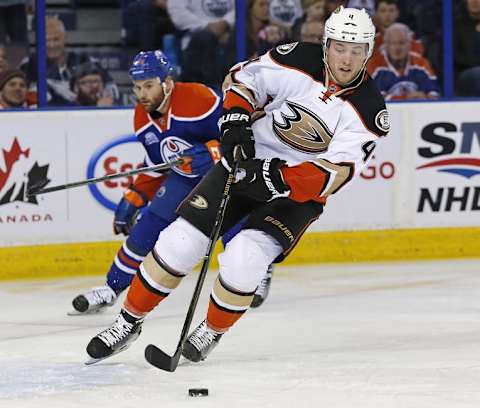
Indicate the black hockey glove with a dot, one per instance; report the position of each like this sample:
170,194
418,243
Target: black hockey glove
261,179
236,133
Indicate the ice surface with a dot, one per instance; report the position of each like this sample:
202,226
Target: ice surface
353,336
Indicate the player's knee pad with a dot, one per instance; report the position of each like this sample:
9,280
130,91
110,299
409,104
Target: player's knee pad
181,246
246,259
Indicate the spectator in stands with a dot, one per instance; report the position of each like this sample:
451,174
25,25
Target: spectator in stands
13,90
269,37
206,42
368,5
88,84
314,11
387,12
426,17
333,4
284,13
215,17
258,17
312,31
467,49
400,73
3,59
13,21
145,22
61,66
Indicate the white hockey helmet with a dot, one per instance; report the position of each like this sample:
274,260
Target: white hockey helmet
350,25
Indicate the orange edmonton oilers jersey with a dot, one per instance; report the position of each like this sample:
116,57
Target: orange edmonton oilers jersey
191,118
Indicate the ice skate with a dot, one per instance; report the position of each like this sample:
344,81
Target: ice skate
200,343
93,301
263,288
118,337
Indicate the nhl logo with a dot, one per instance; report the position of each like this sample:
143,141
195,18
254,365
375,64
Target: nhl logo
151,138
240,175
332,88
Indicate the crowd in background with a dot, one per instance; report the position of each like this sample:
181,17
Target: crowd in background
199,38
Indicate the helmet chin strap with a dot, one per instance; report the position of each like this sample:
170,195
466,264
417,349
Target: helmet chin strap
329,74
166,96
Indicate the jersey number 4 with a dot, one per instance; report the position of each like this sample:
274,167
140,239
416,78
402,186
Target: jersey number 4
368,148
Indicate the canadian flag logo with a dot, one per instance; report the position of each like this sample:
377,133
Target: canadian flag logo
18,173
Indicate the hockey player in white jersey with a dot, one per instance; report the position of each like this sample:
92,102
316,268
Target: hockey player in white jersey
305,120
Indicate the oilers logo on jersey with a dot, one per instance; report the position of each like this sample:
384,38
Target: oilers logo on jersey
171,149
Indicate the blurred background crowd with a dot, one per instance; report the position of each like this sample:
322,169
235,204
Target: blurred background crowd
90,43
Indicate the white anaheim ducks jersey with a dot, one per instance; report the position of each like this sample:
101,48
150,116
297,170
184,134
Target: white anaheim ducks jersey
299,118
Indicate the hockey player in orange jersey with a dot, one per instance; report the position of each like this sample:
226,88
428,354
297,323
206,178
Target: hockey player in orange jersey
305,120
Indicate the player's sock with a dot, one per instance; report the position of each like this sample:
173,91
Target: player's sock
139,243
226,306
123,268
153,283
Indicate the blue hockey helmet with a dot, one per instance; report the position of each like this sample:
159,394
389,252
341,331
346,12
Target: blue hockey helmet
150,64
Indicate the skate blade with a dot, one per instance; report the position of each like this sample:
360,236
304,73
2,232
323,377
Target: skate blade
92,360
86,313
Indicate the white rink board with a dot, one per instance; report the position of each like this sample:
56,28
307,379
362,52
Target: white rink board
394,192
66,142
418,130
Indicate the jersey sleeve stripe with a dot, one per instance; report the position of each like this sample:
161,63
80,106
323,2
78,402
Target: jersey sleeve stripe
236,98
230,84
341,174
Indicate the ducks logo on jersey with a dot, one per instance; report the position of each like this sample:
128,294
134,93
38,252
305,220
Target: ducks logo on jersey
303,130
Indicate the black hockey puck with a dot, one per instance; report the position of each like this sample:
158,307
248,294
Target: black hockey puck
198,392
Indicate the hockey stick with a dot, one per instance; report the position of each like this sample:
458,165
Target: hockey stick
153,354
37,190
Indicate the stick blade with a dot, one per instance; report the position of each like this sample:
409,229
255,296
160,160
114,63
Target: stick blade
160,359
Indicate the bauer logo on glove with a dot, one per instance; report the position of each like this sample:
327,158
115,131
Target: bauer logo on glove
262,179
